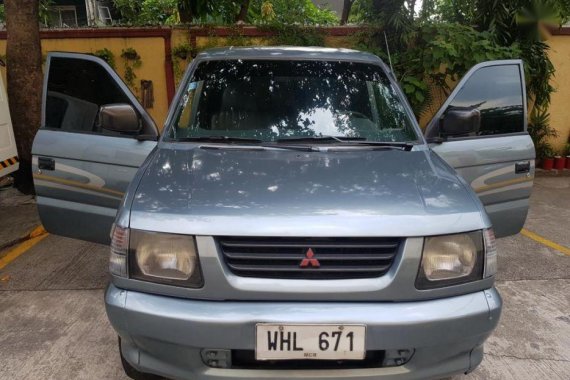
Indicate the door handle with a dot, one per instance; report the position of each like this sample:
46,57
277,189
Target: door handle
522,167
45,163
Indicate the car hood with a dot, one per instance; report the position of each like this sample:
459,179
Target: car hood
274,192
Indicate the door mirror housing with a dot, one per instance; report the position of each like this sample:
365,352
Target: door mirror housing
119,117
460,122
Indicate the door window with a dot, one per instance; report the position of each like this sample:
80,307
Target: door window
496,94
75,91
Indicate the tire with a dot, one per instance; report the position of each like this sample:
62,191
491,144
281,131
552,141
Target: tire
132,372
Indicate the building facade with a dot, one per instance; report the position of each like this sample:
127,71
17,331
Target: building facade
78,13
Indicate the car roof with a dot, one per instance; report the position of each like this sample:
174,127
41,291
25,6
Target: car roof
289,53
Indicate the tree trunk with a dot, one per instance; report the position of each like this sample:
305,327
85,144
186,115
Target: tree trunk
242,16
346,11
185,11
24,74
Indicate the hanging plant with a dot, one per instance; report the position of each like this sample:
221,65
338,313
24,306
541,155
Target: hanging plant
182,51
131,54
106,55
180,56
130,77
132,61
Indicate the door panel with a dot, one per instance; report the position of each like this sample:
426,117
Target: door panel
497,157
81,170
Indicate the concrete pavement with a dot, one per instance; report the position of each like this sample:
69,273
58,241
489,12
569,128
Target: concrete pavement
53,323
18,216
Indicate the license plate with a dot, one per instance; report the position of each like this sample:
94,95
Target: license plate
316,342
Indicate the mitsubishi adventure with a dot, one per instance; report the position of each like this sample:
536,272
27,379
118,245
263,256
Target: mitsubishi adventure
291,220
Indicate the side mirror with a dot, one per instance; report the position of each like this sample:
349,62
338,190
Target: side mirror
119,118
460,122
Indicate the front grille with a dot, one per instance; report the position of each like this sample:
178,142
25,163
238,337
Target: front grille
338,258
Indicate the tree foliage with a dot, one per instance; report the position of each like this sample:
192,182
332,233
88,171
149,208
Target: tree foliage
454,34
159,12
289,12
434,56
147,12
521,22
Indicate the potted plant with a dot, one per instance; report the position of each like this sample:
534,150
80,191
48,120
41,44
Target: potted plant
559,162
541,132
568,154
547,159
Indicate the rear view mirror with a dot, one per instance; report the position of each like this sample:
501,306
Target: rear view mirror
119,118
460,122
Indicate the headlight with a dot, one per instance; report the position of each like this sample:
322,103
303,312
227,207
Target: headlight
451,260
155,257
164,258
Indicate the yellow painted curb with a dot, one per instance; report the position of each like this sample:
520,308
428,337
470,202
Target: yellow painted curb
546,242
40,230
33,238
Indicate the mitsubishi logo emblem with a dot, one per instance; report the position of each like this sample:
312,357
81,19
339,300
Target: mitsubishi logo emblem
309,260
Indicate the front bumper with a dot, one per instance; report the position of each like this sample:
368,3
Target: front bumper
166,336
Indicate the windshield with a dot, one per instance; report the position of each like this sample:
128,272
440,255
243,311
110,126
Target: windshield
276,100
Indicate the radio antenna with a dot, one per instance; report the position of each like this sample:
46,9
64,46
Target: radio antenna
388,50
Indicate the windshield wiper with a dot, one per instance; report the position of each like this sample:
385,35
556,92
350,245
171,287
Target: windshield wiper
385,144
302,148
349,141
325,138
218,139
281,143
228,139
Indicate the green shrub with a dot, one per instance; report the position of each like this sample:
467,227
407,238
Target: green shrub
290,12
147,12
540,130
437,54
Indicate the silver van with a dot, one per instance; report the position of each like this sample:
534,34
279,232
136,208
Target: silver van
292,220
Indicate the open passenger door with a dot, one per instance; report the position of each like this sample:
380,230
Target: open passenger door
89,146
481,130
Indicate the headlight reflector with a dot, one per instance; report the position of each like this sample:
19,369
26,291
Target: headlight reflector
165,258
450,260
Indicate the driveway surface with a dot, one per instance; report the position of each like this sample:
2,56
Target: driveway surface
53,323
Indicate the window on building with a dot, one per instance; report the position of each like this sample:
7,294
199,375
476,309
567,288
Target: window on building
63,16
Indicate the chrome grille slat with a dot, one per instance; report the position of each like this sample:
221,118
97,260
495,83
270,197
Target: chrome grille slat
339,258
303,245
300,256
275,268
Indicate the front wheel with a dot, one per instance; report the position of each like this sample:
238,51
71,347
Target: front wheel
132,372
